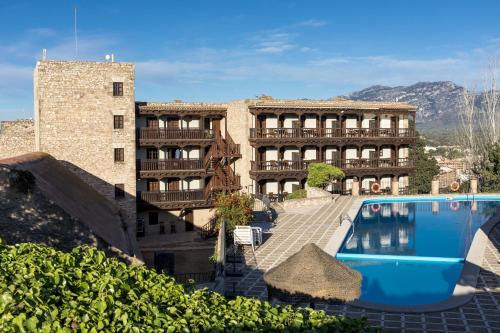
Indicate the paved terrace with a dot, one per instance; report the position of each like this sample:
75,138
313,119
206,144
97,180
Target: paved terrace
317,224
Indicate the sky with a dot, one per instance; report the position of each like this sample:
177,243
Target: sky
217,51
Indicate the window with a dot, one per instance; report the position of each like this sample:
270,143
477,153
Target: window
119,154
140,230
119,191
118,122
117,88
153,218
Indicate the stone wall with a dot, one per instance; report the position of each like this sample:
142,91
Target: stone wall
74,109
239,121
16,137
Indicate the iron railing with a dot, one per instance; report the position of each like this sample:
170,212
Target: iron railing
273,133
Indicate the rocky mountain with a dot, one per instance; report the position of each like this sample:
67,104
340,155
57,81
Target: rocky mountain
437,103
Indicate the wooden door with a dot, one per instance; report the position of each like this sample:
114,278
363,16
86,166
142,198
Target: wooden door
173,185
153,185
173,123
189,220
152,153
152,123
372,124
295,156
216,126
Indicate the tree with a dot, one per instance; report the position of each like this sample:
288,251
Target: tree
322,174
426,168
489,173
234,208
478,125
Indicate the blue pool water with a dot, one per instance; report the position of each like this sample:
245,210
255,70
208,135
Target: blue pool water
412,253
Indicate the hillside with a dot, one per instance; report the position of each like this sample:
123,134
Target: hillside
438,104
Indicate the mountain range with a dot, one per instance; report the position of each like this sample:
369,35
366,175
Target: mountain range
438,104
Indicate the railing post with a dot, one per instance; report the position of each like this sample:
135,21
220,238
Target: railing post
435,185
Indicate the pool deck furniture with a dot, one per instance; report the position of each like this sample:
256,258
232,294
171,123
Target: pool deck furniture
247,235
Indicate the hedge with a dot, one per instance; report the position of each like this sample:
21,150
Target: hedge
46,290
298,194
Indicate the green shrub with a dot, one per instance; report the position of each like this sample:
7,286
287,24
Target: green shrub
234,208
322,174
298,194
45,290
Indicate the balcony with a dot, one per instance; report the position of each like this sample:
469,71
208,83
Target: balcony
150,168
176,136
173,199
281,169
265,135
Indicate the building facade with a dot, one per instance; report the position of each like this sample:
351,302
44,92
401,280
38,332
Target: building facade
370,141
163,164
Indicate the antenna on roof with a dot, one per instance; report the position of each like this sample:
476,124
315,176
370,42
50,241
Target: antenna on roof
76,37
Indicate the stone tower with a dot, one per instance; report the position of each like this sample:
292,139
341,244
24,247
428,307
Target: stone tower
85,118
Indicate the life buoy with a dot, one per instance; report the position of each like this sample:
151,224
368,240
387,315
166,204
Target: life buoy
375,187
455,186
454,205
375,207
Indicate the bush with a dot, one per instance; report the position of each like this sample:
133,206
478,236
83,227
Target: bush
322,174
298,194
234,208
45,290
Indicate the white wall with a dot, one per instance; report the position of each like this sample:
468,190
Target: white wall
271,121
329,150
403,121
191,184
365,123
351,122
288,119
271,187
403,181
366,182
163,184
351,153
403,152
385,122
348,183
385,182
191,152
330,120
386,153
288,187
310,121
310,154
271,154
365,153
191,123
288,151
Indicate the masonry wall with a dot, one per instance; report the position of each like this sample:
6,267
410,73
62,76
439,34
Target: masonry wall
74,109
16,137
239,121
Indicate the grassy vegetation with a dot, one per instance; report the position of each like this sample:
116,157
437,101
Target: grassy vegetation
298,194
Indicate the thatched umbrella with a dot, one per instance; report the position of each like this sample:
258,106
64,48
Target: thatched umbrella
312,274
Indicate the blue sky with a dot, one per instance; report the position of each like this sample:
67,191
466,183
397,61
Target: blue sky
224,50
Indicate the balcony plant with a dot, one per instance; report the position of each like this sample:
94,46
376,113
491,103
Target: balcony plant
321,175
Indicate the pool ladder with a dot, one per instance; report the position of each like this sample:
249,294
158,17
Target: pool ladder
345,217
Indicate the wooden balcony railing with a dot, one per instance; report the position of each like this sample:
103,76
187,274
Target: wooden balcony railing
175,134
276,133
280,165
172,196
170,164
301,165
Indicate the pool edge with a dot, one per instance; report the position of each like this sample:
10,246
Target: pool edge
464,290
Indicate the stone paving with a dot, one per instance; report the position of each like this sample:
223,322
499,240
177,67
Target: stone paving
317,225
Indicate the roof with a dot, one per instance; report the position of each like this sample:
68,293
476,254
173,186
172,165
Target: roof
335,103
76,197
178,106
313,272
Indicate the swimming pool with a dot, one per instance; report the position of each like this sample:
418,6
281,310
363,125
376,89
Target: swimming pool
412,252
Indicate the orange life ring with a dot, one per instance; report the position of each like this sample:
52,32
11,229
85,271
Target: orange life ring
375,187
375,207
454,205
454,186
